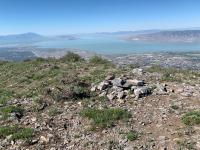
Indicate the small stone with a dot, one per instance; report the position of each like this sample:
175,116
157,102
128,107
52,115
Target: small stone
44,139
93,89
111,96
34,119
103,85
34,141
138,71
120,95
128,148
179,90
187,94
103,94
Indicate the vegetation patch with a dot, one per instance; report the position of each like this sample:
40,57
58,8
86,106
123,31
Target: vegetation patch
72,57
79,92
190,145
175,107
5,96
6,111
191,118
132,135
174,74
105,117
16,132
98,60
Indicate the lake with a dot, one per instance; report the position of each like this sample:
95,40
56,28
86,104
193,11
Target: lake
113,45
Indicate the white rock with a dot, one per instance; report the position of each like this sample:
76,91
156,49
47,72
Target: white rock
138,71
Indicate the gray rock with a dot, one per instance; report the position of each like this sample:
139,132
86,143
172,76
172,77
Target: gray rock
112,96
138,71
161,87
120,95
135,82
103,94
103,85
117,89
128,148
117,82
187,94
133,88
142,91
127,85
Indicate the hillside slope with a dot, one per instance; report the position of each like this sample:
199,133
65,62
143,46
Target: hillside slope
70,103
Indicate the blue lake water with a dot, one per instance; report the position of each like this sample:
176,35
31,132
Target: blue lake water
111,45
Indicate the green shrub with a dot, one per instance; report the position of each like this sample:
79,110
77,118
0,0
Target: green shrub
167,76
16,132
105,117
24,134
97,75
6,111
132,135
72,57
191,118
7,130
79,92
40,59
98,60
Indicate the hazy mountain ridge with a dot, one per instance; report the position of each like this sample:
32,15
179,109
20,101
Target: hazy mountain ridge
169,36
31,37
124,33
21,38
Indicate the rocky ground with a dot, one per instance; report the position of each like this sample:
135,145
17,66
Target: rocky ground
72,104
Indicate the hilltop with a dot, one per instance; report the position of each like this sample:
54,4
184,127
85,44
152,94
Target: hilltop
72,103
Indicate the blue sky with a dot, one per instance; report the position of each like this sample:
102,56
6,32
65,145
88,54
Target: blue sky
52,17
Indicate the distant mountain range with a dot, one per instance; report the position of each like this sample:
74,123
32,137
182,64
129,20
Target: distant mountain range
192,35
126,33
21,38
168,36
31,38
